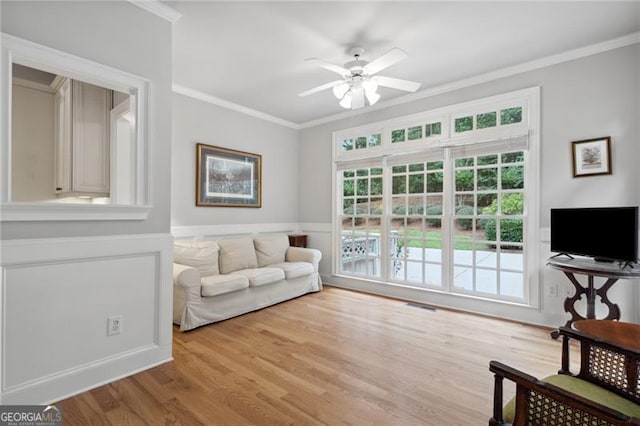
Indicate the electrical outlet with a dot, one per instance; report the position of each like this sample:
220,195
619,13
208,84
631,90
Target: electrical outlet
114,325
552,290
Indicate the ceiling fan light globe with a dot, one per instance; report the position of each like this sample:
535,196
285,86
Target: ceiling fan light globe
340,90
372,97
370,85
346,101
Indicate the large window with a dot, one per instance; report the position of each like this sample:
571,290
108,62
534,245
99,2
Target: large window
440,200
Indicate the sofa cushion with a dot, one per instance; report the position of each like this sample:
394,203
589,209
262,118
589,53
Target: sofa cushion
202,255
237,254
215,285
584,389
271,249
294,269
262,276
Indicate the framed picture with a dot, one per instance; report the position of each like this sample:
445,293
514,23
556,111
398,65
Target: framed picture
227,178
591,157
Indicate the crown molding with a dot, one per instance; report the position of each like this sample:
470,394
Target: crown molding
157,8
192,93
559,58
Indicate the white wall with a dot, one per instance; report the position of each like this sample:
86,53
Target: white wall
585,98
195,121
61,280
32,149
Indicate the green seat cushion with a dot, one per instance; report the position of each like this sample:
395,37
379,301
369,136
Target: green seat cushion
584,389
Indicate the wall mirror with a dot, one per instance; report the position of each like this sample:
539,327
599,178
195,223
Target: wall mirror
74,137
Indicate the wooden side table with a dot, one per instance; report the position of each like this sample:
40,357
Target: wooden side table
611,271
298,240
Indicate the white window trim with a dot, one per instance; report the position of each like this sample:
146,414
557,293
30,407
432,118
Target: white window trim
24,52
529,98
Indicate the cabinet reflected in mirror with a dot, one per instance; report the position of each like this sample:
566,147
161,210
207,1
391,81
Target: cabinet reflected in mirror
71,141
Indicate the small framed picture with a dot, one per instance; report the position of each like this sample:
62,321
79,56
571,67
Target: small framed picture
227,178
591,157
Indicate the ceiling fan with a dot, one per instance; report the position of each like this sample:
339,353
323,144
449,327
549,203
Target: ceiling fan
359,80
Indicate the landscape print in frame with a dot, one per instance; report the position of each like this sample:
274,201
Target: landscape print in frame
227,178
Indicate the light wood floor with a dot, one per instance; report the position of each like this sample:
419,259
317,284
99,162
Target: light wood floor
334,357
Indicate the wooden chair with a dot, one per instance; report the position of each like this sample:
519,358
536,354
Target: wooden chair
606,391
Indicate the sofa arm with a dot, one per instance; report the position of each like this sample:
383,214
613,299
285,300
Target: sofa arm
300,254
187,278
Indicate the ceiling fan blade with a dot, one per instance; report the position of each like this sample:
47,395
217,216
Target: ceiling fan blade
396,83
384,61
357,100
321,88
331,67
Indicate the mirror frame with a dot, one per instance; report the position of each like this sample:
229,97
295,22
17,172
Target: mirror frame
27,53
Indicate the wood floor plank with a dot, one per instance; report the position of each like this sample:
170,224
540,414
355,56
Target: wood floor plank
334,357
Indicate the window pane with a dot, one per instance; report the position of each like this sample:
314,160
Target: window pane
362,172
511,230
347,144
434,201
376,171
486,120
434,182
347,206
513,157
487,159
435,165
416,204
397,136
513,204
399,185
347,187
465,162
399,169
487,203
432,129
399,206
463,124
361,142
416,167
415,133
464,180
512,284
513,177
487,179
416,184
375,206
362,186
375,139
376,186
511,115
464,200
348,173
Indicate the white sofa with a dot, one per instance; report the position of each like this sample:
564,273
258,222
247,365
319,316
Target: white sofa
214,280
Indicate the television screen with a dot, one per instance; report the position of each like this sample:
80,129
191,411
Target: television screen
604,233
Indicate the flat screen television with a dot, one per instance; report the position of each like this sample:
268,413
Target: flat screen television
603,233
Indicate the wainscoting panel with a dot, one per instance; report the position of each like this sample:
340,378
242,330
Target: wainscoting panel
57,297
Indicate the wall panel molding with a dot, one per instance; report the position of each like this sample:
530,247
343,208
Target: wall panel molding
57,294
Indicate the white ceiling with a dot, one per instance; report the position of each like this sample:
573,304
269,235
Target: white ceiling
252,53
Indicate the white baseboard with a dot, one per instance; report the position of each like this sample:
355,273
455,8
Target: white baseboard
56,297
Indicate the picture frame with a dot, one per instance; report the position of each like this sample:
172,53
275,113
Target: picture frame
591,157
227,178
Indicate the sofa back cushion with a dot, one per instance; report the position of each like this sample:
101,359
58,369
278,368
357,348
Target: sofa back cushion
237,254
271,249
202,255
